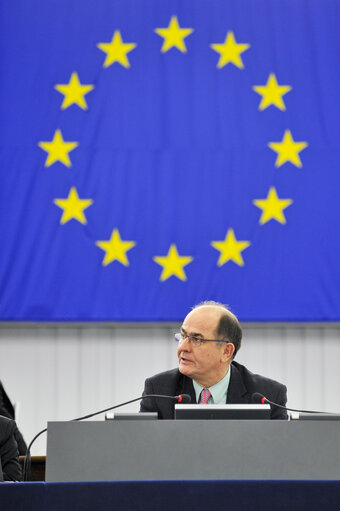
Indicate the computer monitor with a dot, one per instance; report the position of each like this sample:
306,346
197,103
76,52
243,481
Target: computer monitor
131,416
222,412
314,416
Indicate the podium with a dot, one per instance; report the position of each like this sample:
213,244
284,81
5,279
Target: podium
192,450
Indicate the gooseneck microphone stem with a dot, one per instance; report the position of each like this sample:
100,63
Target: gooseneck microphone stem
174,398
27,462
185,398
293,409
260,398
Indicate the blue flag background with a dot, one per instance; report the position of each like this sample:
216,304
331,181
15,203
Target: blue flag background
145,167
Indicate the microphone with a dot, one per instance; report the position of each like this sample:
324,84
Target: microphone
181,398
184,398
258,398
261,399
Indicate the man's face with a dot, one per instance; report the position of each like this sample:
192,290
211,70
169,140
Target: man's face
208,363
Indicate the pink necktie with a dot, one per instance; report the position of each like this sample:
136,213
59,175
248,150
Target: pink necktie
204,397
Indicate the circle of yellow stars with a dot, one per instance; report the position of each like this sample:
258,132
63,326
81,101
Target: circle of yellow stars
230,52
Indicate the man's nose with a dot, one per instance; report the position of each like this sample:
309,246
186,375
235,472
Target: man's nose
186,344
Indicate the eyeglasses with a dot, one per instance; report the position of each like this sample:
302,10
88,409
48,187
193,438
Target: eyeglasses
195,341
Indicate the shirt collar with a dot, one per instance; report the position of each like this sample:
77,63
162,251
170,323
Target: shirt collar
218,391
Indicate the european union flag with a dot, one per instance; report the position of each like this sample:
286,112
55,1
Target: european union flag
156,154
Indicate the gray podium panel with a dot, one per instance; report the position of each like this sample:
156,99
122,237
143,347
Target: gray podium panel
173,450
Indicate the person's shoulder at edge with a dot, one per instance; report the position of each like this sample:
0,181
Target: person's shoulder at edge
7,410
22,447
9,454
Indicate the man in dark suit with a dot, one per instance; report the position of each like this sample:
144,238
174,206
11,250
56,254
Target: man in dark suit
9,455
207,344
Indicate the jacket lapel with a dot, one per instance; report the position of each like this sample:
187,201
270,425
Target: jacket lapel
185,386
237,391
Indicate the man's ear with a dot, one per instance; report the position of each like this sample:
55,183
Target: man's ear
228,351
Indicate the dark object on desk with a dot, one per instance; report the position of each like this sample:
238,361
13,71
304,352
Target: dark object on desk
222,412
38,467
7,410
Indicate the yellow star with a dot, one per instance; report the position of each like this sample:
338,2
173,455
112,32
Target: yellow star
74,92
115,249
230,51
73,207
58,149
173,264
272,207
116,50
272,93
230,249
288,150
174,35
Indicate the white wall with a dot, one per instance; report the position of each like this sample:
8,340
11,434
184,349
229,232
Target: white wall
59,372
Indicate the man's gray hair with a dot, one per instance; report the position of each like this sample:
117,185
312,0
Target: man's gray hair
228,328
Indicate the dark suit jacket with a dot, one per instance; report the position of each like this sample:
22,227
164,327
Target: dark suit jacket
9,455
7,410
242,385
